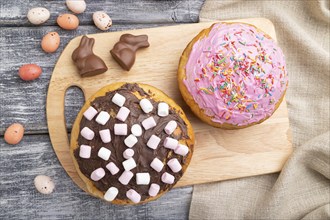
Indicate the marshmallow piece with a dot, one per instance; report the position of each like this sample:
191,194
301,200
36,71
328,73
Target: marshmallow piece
123,113
120,129
129,164
125,177
112,168
146,105
157,164
182,150
170,127
130,141
118,99
175,165
153,142
128,153
167,178
104,153
98,174
142,178
105,135
102,118
85,151
136,130
111,194
133,196
87,133
90,113
154,189
163,109
171,143
149,123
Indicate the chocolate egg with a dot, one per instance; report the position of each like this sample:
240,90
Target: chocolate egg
101,20
44,184
29,72
14,133
76,6
38,15
68,21
50,42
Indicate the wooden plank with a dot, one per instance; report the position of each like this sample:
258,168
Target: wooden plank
13,13
19,164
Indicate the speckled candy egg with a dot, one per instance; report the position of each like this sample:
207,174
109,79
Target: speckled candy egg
29,72
76,6
102,20
14,133
44,184
38,15
50,42
68,21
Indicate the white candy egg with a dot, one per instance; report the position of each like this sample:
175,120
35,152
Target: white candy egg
38,15
102,20
76,6
44,184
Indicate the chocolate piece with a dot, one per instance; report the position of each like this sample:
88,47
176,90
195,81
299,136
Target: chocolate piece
124,51
86,61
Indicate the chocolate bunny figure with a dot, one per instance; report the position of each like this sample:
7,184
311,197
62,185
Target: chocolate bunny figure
86,61
124,51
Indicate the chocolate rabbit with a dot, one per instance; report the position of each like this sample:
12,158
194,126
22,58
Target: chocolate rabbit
124,51
86,61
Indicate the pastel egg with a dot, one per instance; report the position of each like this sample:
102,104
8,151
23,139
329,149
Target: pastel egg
68,21
76,6
44,184
14,133
38,15
29,72
101,20
50,42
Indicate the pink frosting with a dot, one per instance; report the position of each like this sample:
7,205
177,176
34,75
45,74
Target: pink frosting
236,74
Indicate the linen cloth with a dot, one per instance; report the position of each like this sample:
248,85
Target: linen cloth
302,189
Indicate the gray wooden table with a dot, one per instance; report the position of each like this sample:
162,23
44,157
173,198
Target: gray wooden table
24,102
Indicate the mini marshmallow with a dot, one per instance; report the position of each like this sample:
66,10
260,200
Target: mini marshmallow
133,196
111,194
157,164
112,168
105,135
175,165
146,105
149,123
104,153
90,113
128,153
129,164
125,177
120,129
87,133
167,178
130,141
171,143
153,142
154,189
163,109
142,178
118,99
98,174
123,113
85,151
170,127
136,130
182,150
102,118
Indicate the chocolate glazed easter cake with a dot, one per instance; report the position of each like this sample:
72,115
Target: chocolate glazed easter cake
131,143
232,75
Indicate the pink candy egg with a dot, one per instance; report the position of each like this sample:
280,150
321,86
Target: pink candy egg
14,133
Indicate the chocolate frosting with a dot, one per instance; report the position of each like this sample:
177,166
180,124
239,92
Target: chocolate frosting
143,155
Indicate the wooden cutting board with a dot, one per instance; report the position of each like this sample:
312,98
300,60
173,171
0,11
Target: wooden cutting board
219,154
